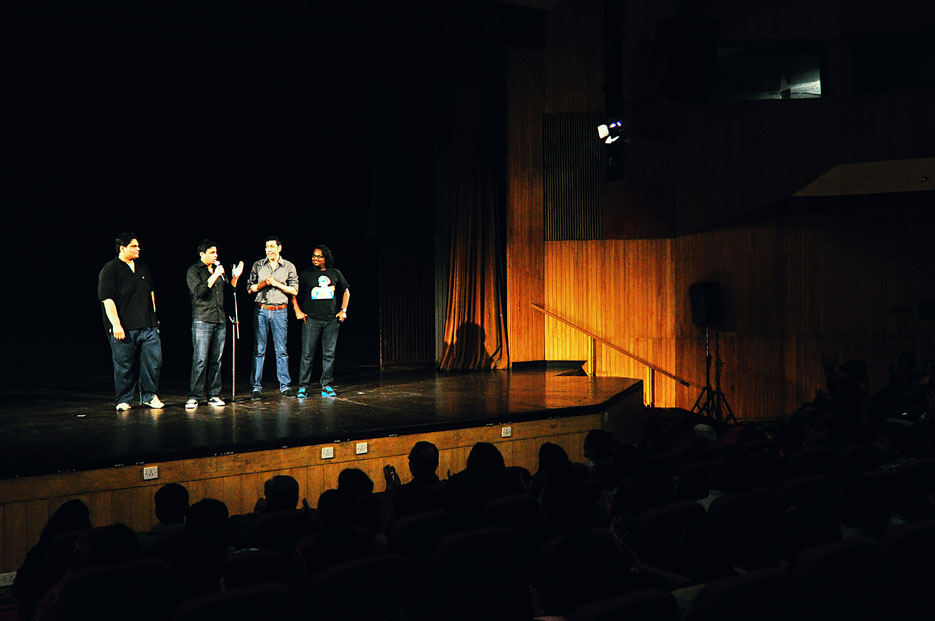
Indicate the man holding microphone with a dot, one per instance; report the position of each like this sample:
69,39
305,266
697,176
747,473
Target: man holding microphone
207,282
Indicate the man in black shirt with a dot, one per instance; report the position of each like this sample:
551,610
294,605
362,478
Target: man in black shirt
125,289
206,285
320,287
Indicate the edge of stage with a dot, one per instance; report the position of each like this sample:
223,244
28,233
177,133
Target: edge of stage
75,428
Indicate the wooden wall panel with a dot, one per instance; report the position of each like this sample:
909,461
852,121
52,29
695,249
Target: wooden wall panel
621,291
524,253
17,536
800,278
564,77
120,494
837,278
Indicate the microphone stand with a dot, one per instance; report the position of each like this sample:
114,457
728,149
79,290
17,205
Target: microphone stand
235,322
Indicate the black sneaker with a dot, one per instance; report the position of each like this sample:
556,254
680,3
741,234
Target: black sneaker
255,395
288,392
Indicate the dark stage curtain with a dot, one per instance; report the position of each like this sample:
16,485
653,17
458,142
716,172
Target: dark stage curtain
475,322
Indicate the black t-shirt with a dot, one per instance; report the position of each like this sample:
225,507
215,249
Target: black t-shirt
131,292
321,291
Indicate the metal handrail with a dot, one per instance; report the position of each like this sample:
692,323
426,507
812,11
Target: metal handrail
592,354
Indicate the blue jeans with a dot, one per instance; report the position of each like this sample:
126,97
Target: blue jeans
132,376
207,350
264,322
312,329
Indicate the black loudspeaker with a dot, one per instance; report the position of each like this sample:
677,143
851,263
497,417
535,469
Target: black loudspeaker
688,48
706,303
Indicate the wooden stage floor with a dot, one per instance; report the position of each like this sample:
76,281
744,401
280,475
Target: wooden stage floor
75,428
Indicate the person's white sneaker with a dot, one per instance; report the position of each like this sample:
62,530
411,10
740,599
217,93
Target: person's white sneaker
155,403
191,404
215,401
123,407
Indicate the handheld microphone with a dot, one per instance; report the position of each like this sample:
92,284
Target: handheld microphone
223,276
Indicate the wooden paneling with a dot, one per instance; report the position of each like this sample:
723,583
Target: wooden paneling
800,279
524,206
840,277
564,77
571,176
119,494
619,290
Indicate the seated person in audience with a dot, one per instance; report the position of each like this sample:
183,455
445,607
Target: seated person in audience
486,467
338,538
566,503
554,465
280,493
467,492
171,506
199,560
703,437
355,482
905,378
171,502
600,450
107,545
422,493
850,403
32,578
725,476
369,506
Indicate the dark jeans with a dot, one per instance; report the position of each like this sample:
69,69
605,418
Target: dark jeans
132,376
312,329
266,322
207,350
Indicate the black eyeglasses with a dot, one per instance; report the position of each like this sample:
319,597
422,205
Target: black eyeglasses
318,256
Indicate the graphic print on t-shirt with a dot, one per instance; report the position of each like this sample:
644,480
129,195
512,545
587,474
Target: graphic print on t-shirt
324,290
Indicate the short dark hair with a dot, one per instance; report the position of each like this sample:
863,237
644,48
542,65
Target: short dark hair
281,493
326,251
207,519
274,238
206,243
423,459
355,482
171,503
124,239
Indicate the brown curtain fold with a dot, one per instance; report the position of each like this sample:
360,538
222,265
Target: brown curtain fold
475,325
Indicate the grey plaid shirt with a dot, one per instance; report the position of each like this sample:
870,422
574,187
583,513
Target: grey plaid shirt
284,273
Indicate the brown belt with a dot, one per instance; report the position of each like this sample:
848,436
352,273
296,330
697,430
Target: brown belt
267,307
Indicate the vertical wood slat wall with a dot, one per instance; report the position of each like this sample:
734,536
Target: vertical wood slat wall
566,76
798,284
571,193
618,290
794,286
119,494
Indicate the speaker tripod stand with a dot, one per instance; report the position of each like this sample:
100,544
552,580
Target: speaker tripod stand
711,403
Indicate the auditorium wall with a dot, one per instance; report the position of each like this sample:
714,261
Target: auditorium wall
841,276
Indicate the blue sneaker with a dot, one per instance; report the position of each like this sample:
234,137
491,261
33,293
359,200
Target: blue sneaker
303,393
328,391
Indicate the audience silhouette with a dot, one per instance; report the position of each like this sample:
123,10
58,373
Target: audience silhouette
700,511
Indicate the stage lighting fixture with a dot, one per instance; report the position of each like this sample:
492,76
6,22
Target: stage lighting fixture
610,132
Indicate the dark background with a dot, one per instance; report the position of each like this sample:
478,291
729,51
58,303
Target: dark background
185,126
